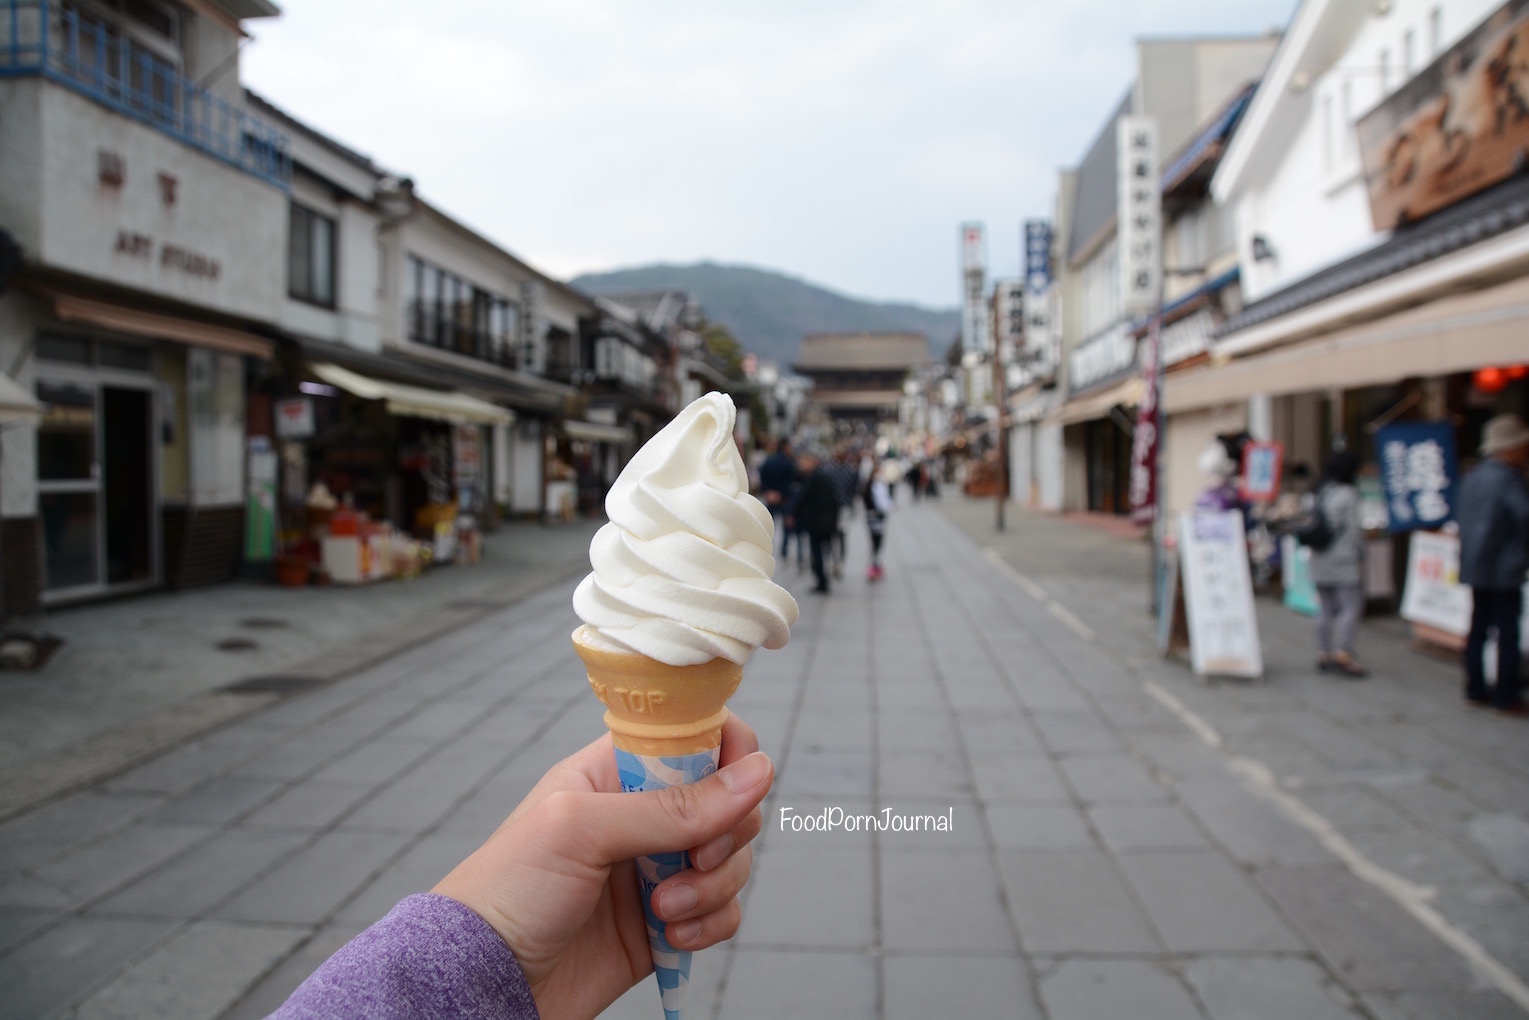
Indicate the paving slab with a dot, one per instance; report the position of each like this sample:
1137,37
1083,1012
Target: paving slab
965,986
1268,988
1111,989
941,900
1073,901
1201,903
200,972
46,974
796,984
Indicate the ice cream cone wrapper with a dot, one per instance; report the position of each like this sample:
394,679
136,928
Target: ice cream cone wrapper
643,772
666,724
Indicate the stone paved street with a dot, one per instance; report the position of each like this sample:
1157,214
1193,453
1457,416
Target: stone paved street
1127,841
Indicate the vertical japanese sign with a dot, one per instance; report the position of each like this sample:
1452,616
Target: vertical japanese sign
1420,471
1218,594
974,327
1145,438
1139,215
1038,335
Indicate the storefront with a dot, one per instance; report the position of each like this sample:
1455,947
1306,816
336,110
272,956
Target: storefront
1098,420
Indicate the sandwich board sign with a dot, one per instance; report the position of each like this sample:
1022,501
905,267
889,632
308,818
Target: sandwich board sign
1218,594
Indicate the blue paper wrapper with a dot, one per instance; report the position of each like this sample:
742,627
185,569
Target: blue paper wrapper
640,772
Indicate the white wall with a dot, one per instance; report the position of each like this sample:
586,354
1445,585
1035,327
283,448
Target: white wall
18,443
527,468
1307,196
1050,459
219,213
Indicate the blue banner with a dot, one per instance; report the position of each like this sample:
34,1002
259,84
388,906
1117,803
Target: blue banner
1421,474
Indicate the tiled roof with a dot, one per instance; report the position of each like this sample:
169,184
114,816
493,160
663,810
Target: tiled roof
863,350
1471,221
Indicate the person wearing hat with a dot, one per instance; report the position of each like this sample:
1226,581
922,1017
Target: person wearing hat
1494,555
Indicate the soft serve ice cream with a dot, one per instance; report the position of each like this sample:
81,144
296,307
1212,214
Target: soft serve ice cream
682,569
679,598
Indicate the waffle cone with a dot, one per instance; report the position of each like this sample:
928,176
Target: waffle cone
655,709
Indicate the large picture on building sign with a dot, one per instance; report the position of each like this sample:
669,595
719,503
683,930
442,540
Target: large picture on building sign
1460,125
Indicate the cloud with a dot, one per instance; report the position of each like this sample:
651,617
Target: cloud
840,140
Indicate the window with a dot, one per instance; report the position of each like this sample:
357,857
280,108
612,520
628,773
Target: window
1385,71
310,257
1327,133
1407,54
448,312
1435,31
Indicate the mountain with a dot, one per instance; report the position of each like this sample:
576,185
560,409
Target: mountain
769,312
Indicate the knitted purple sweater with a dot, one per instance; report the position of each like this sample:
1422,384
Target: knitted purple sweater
430,957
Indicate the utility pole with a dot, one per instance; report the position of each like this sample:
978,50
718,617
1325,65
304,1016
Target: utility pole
1000,402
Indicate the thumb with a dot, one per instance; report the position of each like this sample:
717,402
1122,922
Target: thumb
681,817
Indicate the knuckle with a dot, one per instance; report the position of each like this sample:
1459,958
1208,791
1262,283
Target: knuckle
685,807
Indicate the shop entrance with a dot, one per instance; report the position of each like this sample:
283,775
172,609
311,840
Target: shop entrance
95,471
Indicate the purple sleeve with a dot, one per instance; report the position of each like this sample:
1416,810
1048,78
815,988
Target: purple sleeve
429,957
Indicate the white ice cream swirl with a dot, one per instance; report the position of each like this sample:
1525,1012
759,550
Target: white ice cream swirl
682,570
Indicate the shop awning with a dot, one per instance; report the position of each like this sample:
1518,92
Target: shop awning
415,401
1460,333
16,404
1128,393
596,431
122,319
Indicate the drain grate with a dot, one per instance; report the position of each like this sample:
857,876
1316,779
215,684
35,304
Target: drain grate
237,644
264,623
280,684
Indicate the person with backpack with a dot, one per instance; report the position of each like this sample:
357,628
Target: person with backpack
1336,540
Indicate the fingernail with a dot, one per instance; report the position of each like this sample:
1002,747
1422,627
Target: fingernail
746,773
678,900
685,931
713,853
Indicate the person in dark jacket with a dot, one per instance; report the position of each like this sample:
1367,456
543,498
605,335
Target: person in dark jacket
817,512
1494,554
777,476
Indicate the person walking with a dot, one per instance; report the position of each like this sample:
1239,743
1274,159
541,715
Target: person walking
1494,554
776,476
878,506
1338,570
816,513
846,478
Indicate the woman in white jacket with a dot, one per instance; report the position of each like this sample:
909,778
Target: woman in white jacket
878,506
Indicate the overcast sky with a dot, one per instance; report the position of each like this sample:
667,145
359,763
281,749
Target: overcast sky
842,141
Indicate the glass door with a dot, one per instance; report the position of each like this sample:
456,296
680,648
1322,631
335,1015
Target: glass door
69,486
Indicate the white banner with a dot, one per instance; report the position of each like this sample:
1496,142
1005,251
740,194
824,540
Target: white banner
1139,230
975,335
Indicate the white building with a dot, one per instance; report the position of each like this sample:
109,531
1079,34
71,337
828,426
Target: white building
1383,234
1183,85
150,207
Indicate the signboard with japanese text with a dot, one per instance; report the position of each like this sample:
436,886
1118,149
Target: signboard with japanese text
1420,472
1139,230
974,325
1459,126
1218,593
1038,332
1433,595
1261,464
1009,316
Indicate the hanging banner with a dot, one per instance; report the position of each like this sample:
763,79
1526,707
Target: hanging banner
1144,439
1420,471
975,335
1139,216
1038,335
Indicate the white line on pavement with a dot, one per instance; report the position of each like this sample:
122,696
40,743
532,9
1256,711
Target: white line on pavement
1038,593
1032,589
1204,730
1411,897
1076,625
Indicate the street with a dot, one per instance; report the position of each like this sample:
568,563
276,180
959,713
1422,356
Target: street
1125,841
